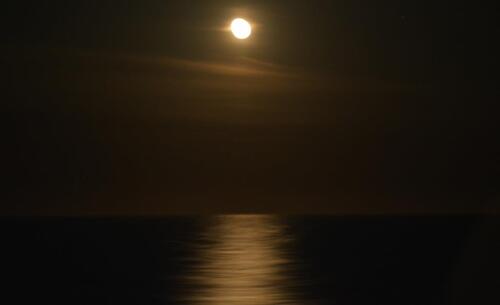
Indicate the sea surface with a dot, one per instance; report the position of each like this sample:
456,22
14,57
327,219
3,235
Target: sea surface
250,259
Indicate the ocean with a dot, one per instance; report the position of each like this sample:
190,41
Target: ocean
250,259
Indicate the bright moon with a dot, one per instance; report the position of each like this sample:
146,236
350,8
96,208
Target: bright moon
241,28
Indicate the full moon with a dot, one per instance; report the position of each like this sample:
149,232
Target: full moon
241,28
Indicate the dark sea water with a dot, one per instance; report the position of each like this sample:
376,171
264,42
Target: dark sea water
245,259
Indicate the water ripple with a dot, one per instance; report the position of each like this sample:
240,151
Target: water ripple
242,260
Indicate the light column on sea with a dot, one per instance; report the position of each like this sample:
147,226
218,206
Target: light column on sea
243,261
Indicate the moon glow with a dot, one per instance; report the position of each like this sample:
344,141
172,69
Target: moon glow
241,28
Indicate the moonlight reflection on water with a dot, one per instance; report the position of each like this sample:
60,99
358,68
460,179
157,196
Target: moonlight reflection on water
242,260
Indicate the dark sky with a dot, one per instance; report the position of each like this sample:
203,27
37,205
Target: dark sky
151,107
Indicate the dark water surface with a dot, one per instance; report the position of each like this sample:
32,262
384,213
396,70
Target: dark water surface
249,259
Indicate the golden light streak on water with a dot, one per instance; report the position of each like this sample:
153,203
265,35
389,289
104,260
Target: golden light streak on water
242,260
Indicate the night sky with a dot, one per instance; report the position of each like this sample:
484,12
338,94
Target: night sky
151,107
